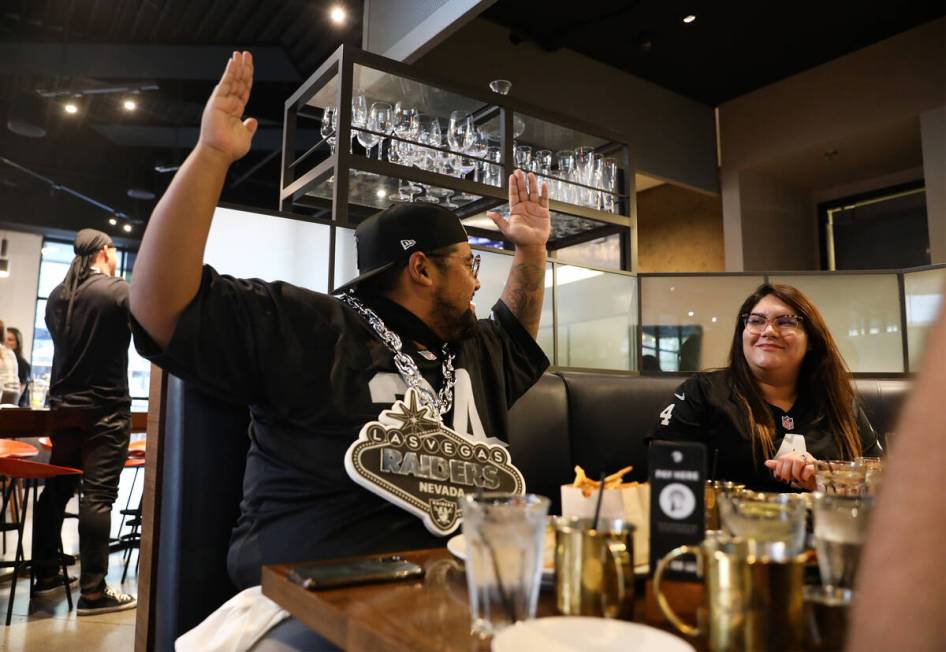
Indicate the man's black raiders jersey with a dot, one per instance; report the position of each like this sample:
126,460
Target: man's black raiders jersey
704,409
312,372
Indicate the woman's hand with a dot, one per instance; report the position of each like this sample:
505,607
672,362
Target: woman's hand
798,469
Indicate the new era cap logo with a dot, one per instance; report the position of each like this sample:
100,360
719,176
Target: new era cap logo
407,244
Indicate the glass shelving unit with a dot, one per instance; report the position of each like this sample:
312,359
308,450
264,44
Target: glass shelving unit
586,166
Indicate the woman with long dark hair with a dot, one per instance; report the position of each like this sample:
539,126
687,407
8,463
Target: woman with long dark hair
784,400
14,342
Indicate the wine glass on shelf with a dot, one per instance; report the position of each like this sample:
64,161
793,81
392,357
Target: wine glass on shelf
405,130
428,134
328,127
381,120
478,147
459,130
359,115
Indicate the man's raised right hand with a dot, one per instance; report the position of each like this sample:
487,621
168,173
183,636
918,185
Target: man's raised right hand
222,127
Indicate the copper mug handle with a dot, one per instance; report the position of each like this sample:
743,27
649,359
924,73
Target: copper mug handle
617,550
689,630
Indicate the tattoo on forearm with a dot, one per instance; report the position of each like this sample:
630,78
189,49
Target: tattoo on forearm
524,292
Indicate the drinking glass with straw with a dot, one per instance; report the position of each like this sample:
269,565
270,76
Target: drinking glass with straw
505,537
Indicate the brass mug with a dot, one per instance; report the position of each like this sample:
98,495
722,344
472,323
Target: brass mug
749,603
713,491
594,567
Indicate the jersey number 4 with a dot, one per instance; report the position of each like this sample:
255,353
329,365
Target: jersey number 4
665,415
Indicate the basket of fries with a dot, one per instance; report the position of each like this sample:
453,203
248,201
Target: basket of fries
625,500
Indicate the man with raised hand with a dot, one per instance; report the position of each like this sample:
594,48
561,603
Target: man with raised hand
313,368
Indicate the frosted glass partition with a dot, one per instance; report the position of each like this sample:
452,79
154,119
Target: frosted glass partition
687,322
254,245
346,258
597,319
863,313
494,269
924,297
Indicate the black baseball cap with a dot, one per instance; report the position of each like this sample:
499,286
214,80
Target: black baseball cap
388,237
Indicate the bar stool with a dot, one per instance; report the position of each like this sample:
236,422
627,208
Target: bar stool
31,473
18,449
130,541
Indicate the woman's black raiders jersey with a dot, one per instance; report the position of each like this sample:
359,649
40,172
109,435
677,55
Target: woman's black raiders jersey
704,409
313,372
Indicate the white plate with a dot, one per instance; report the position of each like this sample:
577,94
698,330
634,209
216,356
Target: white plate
582,634
457,547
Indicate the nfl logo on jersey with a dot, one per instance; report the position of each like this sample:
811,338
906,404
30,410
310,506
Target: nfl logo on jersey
787,422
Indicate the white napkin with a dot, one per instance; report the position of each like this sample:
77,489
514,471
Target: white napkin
792,444
236,626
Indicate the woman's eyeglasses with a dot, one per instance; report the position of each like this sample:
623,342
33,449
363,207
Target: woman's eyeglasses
474,262
756,323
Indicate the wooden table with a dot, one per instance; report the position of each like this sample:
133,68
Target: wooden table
27,422
430,614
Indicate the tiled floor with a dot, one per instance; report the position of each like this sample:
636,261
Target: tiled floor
45,624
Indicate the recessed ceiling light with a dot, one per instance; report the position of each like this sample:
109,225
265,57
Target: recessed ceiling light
129,105
112,221
713,320
689,19
127,228
338,15
690,314
382,193
71,108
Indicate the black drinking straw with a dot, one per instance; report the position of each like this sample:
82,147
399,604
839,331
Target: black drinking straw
594,523
715,460
503,594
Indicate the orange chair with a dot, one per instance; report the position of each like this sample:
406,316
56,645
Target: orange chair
18,449
31,473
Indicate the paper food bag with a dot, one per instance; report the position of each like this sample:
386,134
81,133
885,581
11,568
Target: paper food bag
629,503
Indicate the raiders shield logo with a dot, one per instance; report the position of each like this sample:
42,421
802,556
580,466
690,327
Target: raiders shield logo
444,512
787,422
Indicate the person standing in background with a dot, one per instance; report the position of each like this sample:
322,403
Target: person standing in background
14,342
87,317
9,376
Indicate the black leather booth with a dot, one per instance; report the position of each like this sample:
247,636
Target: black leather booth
596,420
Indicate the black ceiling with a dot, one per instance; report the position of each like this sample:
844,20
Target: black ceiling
174,50
730,49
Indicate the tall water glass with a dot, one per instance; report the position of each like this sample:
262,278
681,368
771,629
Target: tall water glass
584,173
505,539
565,191
609,184
494,170
328,127
840,530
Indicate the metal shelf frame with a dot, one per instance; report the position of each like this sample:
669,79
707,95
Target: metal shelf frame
302,172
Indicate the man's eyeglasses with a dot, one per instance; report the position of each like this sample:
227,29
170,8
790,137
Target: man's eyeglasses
756,323
473,262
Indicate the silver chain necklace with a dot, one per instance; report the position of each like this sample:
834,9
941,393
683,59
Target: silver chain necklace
442,402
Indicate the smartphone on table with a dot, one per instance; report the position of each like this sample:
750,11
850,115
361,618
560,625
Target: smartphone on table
327,575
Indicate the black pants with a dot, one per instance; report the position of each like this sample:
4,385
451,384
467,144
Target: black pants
101,454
